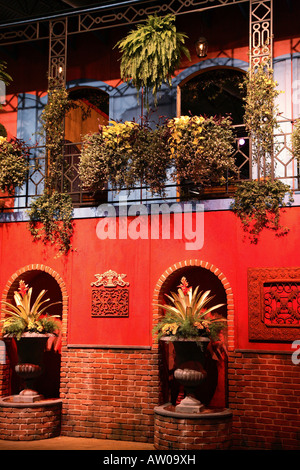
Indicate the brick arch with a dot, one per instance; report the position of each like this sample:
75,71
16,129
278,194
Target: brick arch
166,279
21,274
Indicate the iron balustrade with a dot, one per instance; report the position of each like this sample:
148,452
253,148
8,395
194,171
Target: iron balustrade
284,167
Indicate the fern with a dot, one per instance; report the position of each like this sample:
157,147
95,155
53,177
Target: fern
151,53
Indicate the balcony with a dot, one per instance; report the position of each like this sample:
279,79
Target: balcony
284,167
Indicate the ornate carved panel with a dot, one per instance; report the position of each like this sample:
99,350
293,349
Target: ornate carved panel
274,304
110,297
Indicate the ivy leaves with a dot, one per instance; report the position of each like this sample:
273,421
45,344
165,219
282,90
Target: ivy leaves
257,204
151,53
125,154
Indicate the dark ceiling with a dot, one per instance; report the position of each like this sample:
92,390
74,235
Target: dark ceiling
21,10
18,10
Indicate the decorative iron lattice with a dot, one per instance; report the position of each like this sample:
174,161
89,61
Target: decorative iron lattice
282,304
110,302
107,16
58,50
261,32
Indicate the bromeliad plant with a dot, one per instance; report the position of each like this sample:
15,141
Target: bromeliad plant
189,316
202,149
27,316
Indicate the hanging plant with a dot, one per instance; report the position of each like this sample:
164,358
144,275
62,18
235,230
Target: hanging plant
151,53
51,213
202,149
51,219
261,114
14,155
258,203
125,154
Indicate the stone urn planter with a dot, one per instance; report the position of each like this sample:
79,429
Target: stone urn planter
190,372
30,349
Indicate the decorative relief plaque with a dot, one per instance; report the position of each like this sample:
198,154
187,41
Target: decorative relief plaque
274,304
111,297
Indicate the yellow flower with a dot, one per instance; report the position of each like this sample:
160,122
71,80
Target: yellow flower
2,139
169,328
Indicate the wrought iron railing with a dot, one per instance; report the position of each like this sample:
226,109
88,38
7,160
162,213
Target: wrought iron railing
285,167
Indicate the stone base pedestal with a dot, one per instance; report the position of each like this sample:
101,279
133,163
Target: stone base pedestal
209,429
21,421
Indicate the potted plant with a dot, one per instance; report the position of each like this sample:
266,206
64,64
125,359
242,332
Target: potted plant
125,154
28,322
202,149
190,325
14,164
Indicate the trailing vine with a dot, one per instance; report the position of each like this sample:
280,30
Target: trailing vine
202,149
151,53
51,219
51,213
14,164
258,203
125,154
261,114
296,140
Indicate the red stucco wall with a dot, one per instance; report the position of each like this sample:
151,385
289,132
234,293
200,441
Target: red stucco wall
143,262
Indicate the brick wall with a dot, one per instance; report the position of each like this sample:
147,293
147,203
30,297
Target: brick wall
30,422
109,393
264,395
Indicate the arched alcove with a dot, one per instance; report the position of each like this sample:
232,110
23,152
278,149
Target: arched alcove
208,277
41,277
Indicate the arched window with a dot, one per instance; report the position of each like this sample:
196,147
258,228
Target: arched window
91,110
217,91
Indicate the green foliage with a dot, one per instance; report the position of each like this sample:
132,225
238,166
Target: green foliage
202,148
125,154
3,131
52,120
189,316
51,213
296,140
4,76
28,316
151,53
260,116
51,219
257,204
13,164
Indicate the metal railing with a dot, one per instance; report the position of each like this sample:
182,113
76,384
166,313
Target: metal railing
285,167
